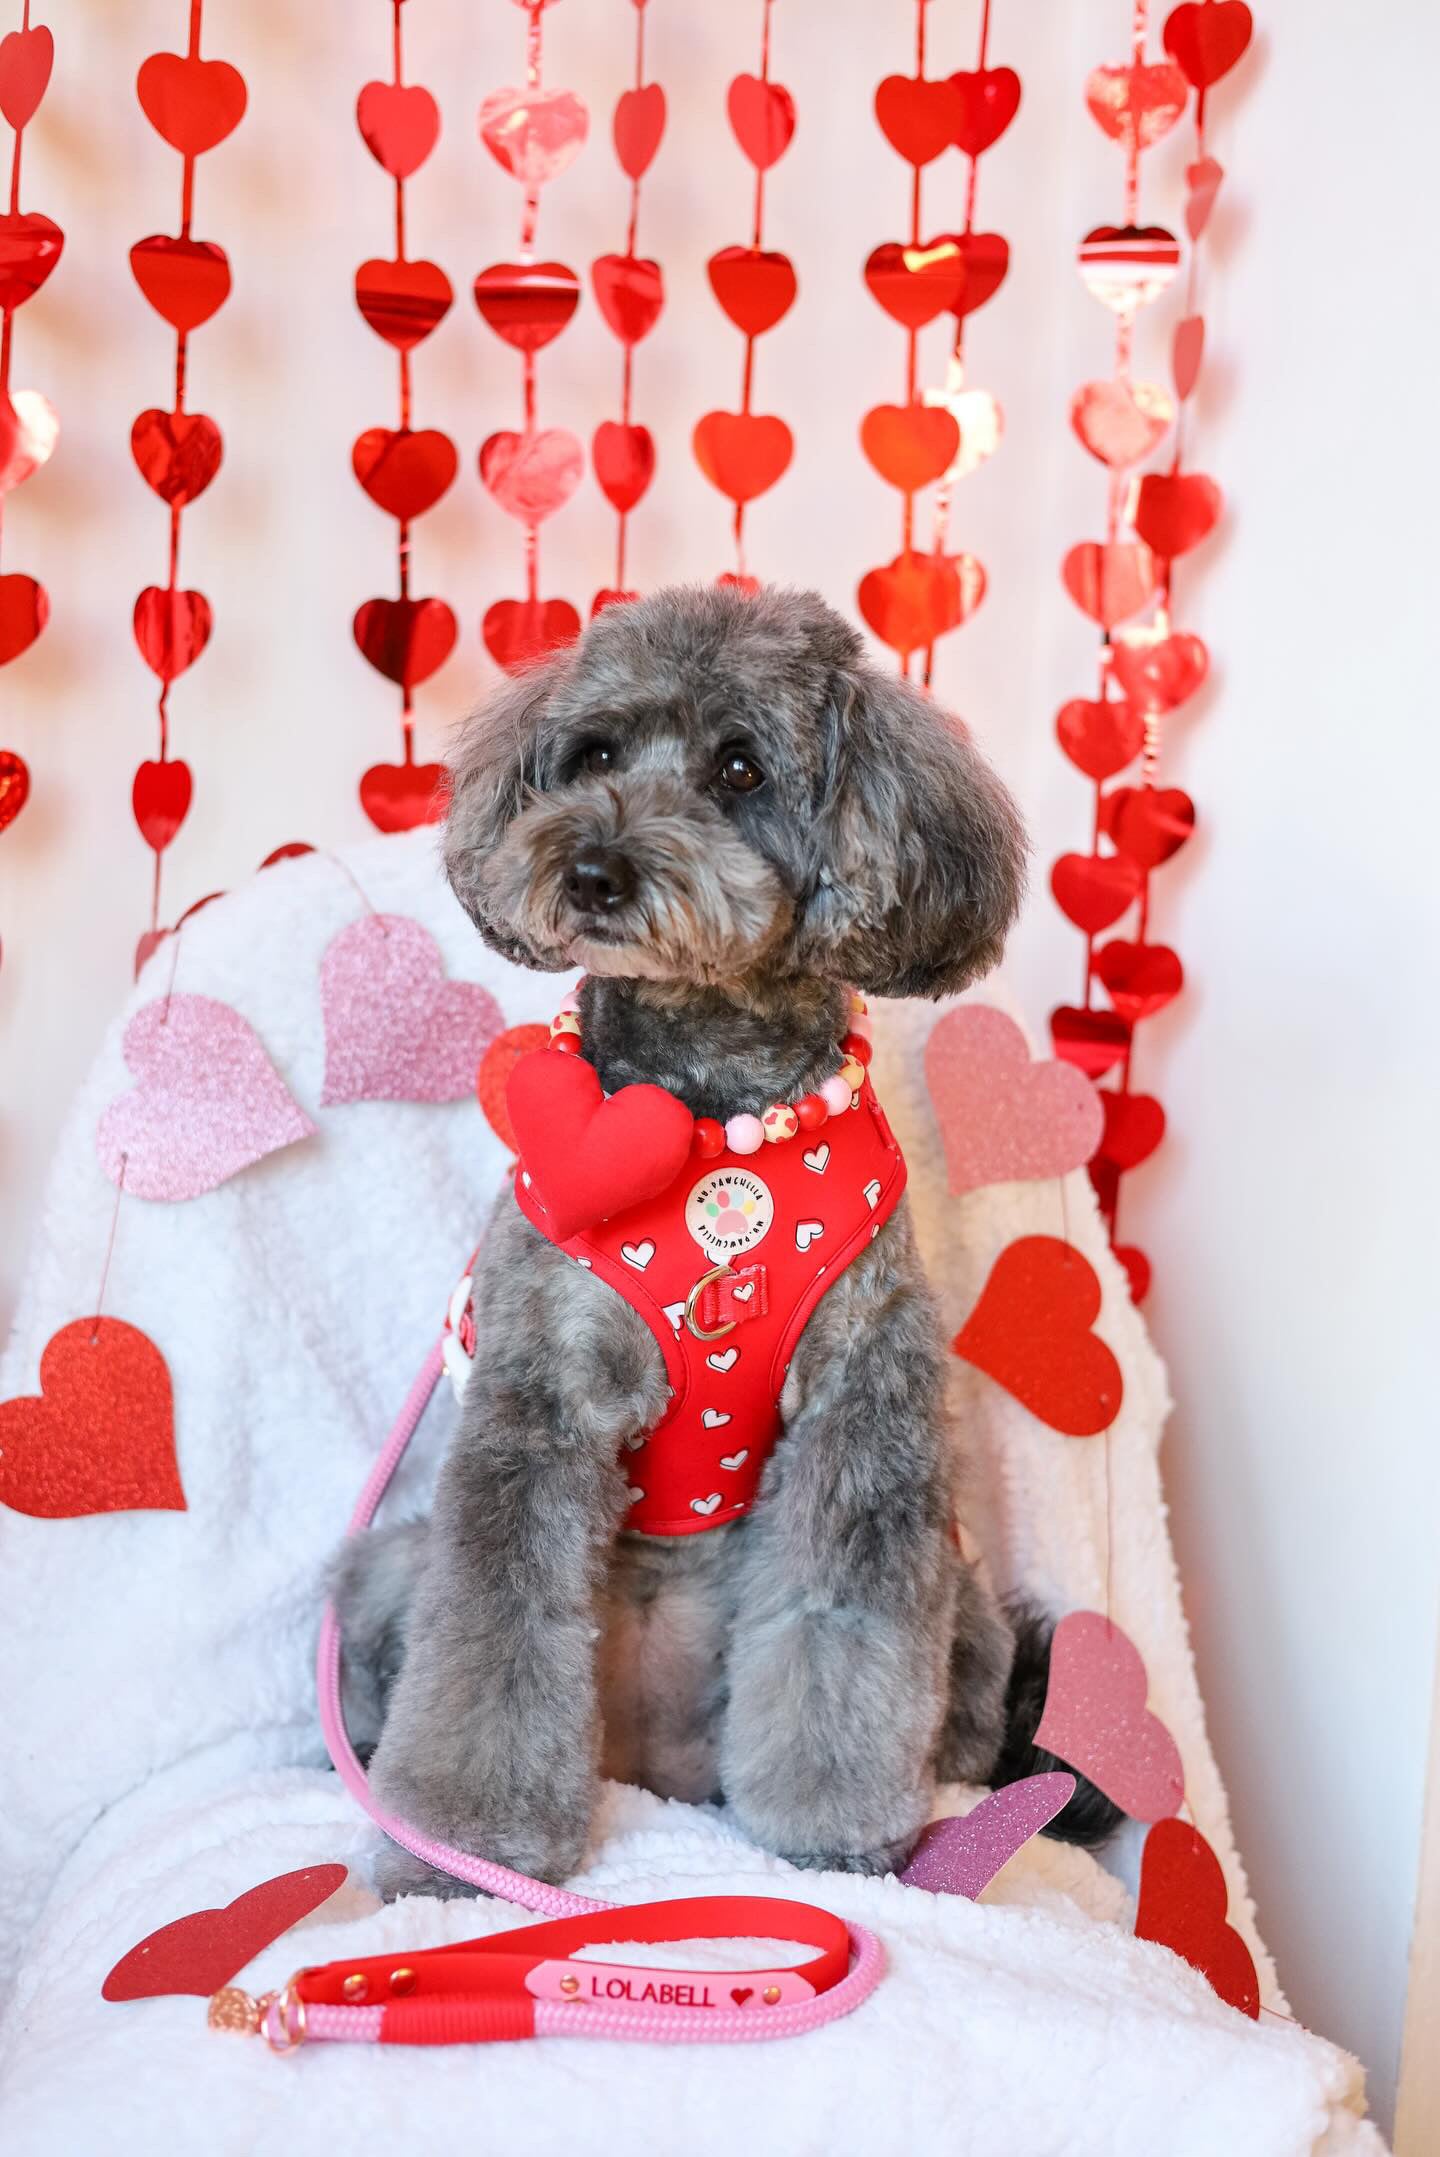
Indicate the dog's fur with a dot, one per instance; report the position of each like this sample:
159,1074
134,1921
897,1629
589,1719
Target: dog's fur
819,1662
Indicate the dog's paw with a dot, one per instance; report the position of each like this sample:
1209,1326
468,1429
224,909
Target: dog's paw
889,1857
395,1873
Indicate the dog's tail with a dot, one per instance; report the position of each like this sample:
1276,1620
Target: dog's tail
1090,1817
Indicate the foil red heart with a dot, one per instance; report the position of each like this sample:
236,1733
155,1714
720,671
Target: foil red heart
517,632
1137,1269
1137,104
400,124
912,600
532,475
1148,823
1127,266
406,640
1139,979
192,103
24,611
988,100
755,286
1100,735
1109,580
1120,421
26,58
30,246
398,797
609,596
630,292
177,453
534,134
527,303
160,801
290,851
185,281
1187,350
762,115
99,1437
200,1953
917,118
1095,1040
1175,511
172,629
623,457
915,284
404,471
1134,1127
1206,41
911,444
1158,668
985,259
493,1077
588,1157
1031,1331
29,430
742,453
14,786
1095,1718
402,301
1094,890
638,126
1183,1902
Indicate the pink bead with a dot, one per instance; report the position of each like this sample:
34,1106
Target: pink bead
746,1134
835,1093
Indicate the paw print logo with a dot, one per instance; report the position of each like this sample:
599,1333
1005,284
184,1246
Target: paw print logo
730,1211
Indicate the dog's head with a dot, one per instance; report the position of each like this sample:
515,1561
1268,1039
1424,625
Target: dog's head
712,788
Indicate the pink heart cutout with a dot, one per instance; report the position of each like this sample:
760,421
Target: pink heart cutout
1005,1119
395,1028
531,475
961,1855
208,1101
534,134
1096,1719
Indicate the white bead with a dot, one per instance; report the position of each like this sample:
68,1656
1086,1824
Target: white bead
744,1134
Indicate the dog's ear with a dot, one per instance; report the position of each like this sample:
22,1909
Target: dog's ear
919,867
493,764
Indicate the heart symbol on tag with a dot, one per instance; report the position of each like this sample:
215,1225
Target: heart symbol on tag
404,471
1120,421
193,104
405,639
961,1855
1002,1118
534,134
1095,1040
917,118
915,284
1094,890
1096,1720
99,1437
398,797
762,115
1100,735
185,281
1158,668
988,100
1134,1127
1203,179
29,430
756,287
26,58
532,475
1149,823
527,303
623,457
29,250
909,445
14,786
1031,1332
638,126
1174,511
202,1952
1140,979
1137,104
742,453
1187,350
160,801
402,301
24,611
590,1157
396,1029
984,259
172,629
918,597
518,631
493,1077
1109,580
1183,1905
1206,41
1127,266
630,292
177,453
400,124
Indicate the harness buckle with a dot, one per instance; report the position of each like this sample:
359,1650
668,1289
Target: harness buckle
713,1333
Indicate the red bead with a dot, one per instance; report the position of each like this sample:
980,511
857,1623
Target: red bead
568,1044
709,1137
857,1046
811,1111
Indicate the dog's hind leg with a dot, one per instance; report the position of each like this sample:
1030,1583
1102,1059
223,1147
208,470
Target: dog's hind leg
665,1618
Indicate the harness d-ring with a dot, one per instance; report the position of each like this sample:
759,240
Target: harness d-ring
716,1333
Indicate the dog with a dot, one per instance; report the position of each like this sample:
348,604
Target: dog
728,817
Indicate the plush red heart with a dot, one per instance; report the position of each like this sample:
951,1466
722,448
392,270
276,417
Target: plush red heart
185,281
1174,511
1093,890
638,126
202,1952
1187,351
742,453
918,597
29,250
1134,1127
172,629
402,301
1206,41
99,1437
623,456
1031,1332
1183,1900
1100,735
527,303
1148,823
14,786
989,99
24,611
29,430
756,287
26,58
984,259
406,640
1158,668
588,1158
917,118
909,444
1137,1269
630,292
493,1076
397,797
178,453
915,284
1120,421
1095,1040
1109,580
1203,179
1137,104
763,117
400,123
531,475
519,631
192,103
1140,979
1095,1718
160,800
404,471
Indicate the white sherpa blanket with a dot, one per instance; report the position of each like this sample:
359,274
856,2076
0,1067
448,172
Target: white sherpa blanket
161,1748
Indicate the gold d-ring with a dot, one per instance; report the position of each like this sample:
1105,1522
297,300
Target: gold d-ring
716,1273
289,2009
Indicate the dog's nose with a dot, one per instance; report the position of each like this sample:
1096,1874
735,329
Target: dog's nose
597,883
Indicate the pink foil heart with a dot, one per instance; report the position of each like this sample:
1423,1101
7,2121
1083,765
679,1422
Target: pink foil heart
534,134
1005,1119
961,1855
395,1028
1096,1719
207,1102
29,430
532,475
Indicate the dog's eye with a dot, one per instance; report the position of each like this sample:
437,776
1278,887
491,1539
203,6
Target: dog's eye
597,756
738,773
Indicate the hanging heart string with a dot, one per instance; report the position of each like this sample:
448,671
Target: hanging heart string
630,292
534,134
744,453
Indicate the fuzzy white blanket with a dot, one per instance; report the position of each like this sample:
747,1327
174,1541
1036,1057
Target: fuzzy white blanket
161,1749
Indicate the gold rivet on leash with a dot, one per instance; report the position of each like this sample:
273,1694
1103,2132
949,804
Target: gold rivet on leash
356,1985
569,1986
402,1981
770,1995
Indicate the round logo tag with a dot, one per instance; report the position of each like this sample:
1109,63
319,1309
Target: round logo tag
729,1211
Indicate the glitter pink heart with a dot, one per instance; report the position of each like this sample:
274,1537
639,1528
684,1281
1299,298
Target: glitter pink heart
962,1855
395,1028
1005,1119
1096,1719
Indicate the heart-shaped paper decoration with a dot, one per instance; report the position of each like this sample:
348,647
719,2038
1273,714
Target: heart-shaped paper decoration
915,284
532,475
177,453
26,58
29,250
185,281
29,430
100,1435
1140,979
1206,41
1109,580
404,471
755,286
207,1101
14,786
910,444
917,118
589,1157
1094,890
192,103
1120,421
630,292
1149,823
1094,1040
1174,511
1100,735
623,455
1187,351
534,134
160,800
200,1953
1158,668
1128,266
987,101
1134,1127
1096,1721
493,1078
1183,1904
395,1028
527,303
172,629
962,1855
742,453
1002,1118
405,639
24,611
638,126
398,797
402,301
1137,1269
516,632
1031,1332
918,597
400,123
1137,104
762,115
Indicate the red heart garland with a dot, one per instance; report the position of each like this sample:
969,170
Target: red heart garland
519,631
24,611
918,597
30,247
1094,1040
1174,511
1207,41
200,1953
1187,350
1134,1127
14,786
1148,823
989,99
762,115
1120,421
29,430
172,629
1095,1718
915,284
531,475
1183,1900
193,104
1203,179
1137,104
99,1437
1157,668
404,471
400,123
1109,580
398,797
911,444
1094,890
608,596
493,1076
177,453
638,126
1100,736
1127,266
742,453
1031,1332
630,292
160,800
624,460
984,259
588,1157
26,58
755,286
1140,979
406,640
1137,1269
185,281
527,303
917,118
402,301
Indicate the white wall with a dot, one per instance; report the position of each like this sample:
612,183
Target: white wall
1291,1216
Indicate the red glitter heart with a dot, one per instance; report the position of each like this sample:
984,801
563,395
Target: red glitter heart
1031,1332
1120,422
100,1435
915,284
623,456
588,1156
404,471
1207,41
742,453
29,250
14,786
917,118
909,445
185,281
755,287
1137,1269
985,259
1134,1127
160,800
1187,350
192,103
1109,581
638,126
400,123
1140,979
630,292
493,1077
402,301
989,99
1137,104
1174,511
519,631
1148,823
527,303
1183,1901
1095,1040
200,1953
172,629
24,611
26,58
397,797
1158,668
406,640
1100,736
178,453
1093,890
762,115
